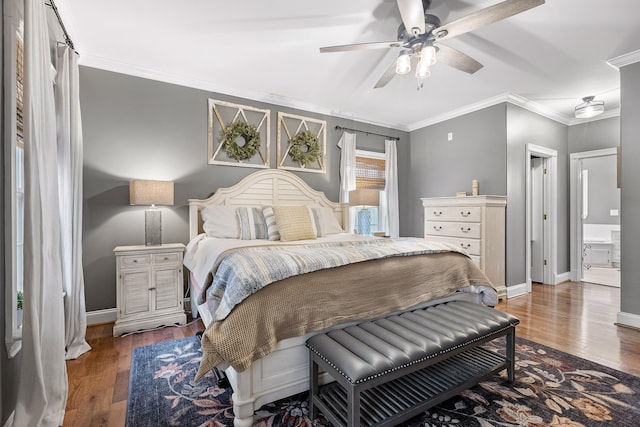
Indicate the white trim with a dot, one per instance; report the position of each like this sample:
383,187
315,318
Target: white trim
629,319
623,60
575,207
563,277
516,290
550,207
370,154
101,316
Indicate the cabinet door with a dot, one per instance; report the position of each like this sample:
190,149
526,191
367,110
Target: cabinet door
135,286
167,281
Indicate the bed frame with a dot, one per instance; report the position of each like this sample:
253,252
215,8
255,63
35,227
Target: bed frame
285,371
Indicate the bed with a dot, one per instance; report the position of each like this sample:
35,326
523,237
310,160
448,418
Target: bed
269,361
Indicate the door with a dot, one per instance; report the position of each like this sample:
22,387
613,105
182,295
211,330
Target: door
537,219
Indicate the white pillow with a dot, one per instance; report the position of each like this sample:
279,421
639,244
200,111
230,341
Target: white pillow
220,221
272,227
252,223
325,221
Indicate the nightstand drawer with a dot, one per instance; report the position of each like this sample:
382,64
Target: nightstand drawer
166,258
469,230
454,213
135,260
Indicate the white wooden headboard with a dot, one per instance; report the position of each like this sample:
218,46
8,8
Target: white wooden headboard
263,188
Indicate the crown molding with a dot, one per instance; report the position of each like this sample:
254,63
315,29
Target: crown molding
133,70
626,59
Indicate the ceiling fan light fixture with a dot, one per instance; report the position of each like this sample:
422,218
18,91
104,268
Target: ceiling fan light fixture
422,70
403,64
589,108
428,55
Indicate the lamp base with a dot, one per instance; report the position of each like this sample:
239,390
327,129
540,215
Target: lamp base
152,227
364,222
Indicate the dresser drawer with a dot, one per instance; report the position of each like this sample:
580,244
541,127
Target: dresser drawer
166,258
472,246
454,213
135,260
470,230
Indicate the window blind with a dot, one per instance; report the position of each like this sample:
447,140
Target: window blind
370,173
19,93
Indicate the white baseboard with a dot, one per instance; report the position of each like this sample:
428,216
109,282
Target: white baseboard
516,290
629,319
110,314
101,316
560,278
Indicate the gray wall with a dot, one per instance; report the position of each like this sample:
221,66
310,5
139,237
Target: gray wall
439,167
139,128
630,191
603,192
594,135
525,127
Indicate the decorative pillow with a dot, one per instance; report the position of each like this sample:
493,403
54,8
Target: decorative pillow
270,220
314,221
252,223
294,223
325,221
220,221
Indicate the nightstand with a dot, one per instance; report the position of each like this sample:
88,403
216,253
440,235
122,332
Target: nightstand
149,287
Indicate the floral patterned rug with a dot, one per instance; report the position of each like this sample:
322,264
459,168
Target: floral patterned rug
552,388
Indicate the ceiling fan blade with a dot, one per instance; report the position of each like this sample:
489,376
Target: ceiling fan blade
484,17
412,12
456,59
359,46
387,76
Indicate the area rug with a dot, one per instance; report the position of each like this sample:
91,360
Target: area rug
552,388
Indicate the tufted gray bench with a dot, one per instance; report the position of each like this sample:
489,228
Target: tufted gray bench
391,369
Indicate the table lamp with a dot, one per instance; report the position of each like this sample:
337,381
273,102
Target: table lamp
365,198
146,192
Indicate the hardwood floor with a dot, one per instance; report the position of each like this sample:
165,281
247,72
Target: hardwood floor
577,318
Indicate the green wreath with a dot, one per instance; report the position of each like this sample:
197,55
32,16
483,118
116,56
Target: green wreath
304,147
246,131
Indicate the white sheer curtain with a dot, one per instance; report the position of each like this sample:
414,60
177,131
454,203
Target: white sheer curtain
389,211
42,391
70,190
347,144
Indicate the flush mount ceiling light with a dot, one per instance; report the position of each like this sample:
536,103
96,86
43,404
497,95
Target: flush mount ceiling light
589,108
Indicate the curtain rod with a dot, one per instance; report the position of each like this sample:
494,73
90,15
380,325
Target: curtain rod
397,138
67,39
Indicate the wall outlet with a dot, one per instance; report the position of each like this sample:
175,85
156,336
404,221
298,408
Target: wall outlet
613,212
450,136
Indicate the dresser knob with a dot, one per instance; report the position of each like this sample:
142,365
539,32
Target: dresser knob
435,213
135,260
437,228
467,246
465,214
465,230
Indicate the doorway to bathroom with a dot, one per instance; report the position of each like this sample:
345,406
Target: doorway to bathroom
595,217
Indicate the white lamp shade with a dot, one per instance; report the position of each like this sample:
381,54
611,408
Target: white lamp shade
146,192
364,197
403,64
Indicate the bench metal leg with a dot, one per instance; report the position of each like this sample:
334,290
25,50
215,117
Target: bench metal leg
353,406
314,386
511,354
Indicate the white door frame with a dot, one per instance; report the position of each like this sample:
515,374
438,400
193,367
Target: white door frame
549,206
575,207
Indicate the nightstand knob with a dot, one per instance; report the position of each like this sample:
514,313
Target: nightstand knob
435,213
437,228
166,258
465,230
465,214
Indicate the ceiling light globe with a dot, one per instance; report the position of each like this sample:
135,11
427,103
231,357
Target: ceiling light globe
403,64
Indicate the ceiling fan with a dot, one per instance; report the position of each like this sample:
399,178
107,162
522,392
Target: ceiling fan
420,36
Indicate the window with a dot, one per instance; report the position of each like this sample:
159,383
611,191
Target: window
370,174
14,191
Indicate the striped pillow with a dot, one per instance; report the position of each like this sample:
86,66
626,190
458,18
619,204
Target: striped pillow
252,223
270,220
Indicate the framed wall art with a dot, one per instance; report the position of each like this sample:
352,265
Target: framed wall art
238,135
302,143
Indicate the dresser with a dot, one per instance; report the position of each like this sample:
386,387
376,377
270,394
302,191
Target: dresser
149,287
474,223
